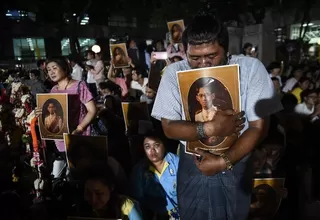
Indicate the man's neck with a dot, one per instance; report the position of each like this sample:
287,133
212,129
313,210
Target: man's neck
207,109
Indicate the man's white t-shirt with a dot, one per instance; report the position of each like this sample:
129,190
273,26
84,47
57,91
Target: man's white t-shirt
77,72
303,109
136,86
90,78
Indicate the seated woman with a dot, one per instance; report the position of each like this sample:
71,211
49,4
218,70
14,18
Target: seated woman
103,199
154,180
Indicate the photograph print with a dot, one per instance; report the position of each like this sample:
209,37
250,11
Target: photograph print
135,114
119,55
53,121
266,198
204,92
84,152
176,29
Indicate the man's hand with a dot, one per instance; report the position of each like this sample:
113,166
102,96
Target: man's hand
225,123
209,164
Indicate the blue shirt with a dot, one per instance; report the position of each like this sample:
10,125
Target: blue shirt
154,190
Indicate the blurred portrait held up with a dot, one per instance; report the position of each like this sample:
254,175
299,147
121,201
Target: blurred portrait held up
119,55
54,118
204,92
266,198
176,29
84,152
136,117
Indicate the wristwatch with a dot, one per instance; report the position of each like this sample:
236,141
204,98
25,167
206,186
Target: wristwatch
227,161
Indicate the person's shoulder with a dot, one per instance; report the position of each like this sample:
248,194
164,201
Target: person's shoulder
198,112
172,158
245,61
175,67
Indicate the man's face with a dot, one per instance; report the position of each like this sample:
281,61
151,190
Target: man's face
90,56
248,50
135,76
150,93
205,97
311,99
206,55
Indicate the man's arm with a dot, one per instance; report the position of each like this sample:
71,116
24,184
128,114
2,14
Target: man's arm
180,130
223,124
257,131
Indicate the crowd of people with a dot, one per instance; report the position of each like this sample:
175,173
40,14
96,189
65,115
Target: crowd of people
148,175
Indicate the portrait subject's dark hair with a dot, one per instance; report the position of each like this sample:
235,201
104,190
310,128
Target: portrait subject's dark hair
206,28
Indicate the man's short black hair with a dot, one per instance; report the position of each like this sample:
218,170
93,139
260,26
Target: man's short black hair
206,28
40,63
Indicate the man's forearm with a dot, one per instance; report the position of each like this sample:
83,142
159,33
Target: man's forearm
180,130
245,144
186,130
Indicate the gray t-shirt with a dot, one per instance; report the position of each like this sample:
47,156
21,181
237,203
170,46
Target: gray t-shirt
258,95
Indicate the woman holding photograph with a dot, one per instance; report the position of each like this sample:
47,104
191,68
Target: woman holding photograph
84,108
119,57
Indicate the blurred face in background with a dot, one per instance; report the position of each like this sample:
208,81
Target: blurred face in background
150,93
97,194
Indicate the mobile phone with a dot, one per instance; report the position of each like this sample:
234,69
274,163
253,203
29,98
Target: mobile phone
160,55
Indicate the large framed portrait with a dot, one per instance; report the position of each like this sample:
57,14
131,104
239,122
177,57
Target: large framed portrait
266,197
53,122
204,92
119,55
176,29
136,117
84,152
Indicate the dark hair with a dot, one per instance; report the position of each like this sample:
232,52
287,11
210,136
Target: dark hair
113,87
108,178
105,175
176,57
206,83
307,92
247,45
35,72
139,70
289,101
175,26
274,65
155,135
89,52
303,79
40,63
206,28
63,63
275,79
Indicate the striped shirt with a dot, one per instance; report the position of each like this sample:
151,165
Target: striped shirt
258,95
